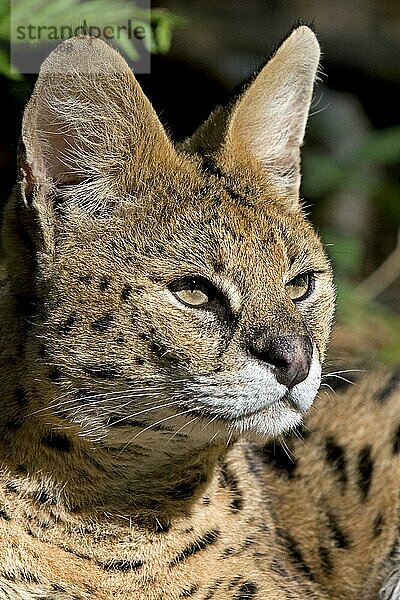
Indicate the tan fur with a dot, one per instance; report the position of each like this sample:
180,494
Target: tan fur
136,453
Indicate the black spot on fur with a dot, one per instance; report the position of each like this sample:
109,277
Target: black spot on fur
126,293
55,373
251,460
212,589
42,351
85,279
278,568
56,587
391,385
218,267
12,486
337,534
396,441
20,396
57,441
14,424
228,552
28,576
365,467
325,558
186,489
139,360
336,459
248,543
120,339
161,526
227,479
246,591
276,456
206,500
377,525
295,555
189,592
102,371
392,556
104,284
115,564
210,167
199,544
103,323
42,497
68,324
235,582
4,514
158,349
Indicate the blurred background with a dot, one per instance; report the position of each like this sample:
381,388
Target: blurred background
201,49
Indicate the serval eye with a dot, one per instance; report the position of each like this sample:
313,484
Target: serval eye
300,287
196,292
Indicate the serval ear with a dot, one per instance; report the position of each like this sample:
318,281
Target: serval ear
267,123
263,129
89,134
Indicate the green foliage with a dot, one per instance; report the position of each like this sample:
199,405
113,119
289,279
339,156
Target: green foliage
325,174
158,24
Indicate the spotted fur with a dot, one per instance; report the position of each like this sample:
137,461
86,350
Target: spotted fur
151,449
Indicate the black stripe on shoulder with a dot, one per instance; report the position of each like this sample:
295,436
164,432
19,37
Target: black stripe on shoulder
227,479
292,548
335,456
390,386
365,468
396,440
339,537
199,544
278,458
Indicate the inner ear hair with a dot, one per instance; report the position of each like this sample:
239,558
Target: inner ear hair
88,129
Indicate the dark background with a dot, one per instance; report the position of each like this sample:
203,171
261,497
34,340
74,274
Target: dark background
351,180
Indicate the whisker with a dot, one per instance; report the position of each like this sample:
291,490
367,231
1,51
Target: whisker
184,412
180,429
